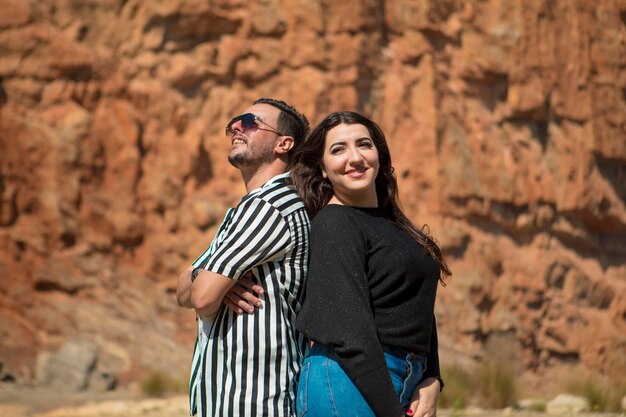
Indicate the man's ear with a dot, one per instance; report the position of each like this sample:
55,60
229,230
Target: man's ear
284,145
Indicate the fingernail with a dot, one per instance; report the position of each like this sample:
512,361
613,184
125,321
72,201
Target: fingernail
409,412
259,304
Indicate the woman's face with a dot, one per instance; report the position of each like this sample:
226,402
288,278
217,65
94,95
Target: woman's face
351,164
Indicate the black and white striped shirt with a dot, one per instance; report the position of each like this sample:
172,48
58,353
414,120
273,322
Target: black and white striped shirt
245,365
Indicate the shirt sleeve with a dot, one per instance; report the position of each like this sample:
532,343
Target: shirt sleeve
258,233
337,310
432,359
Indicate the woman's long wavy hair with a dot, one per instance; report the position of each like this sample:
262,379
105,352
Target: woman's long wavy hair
316,191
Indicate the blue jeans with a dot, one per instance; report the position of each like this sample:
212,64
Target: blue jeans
324,389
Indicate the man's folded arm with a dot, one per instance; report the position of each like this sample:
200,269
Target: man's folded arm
208,291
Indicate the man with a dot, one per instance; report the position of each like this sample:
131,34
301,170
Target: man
245,365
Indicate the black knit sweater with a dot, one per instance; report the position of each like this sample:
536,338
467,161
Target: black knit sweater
369,284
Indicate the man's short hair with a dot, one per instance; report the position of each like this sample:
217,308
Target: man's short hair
290,121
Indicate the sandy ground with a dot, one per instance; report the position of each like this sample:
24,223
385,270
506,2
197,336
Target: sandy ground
25,402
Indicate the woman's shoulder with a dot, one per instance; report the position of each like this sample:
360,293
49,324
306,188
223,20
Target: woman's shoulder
329,215
338,224
334,212
335,215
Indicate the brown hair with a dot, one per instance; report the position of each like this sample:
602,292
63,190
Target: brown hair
316,191
290,121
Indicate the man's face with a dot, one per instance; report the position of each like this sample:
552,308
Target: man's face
254,146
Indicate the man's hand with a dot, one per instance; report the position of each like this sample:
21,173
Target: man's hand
244,295
183,289
424,400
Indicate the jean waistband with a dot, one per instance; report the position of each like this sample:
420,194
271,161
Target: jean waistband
321,349
403,354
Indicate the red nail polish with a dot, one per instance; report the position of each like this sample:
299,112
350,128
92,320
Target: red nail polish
409,412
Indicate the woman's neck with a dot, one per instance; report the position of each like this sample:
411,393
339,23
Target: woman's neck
354,202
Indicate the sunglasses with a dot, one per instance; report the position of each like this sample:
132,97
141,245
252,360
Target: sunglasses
248,121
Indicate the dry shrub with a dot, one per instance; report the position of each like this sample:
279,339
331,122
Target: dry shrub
458,387
496,385
489,385
602,393
158,384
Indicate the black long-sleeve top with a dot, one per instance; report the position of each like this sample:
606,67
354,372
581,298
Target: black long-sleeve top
369,284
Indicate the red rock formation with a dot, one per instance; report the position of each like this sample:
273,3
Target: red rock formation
506,120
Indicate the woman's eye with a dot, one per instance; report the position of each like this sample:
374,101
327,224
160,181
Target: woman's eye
336,150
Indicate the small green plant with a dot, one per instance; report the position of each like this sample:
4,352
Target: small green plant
457,408
539,406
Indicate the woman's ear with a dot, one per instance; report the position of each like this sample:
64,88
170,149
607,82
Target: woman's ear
324,174
284,145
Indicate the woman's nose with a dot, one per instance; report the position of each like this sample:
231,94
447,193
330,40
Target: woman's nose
354,156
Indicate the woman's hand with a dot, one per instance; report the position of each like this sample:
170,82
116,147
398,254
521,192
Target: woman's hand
245,295
424,400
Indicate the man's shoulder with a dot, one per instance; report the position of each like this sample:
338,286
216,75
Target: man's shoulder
279,195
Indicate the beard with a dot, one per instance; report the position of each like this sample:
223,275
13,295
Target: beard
238,160
252,157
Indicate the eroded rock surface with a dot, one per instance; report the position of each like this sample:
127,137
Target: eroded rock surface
506,121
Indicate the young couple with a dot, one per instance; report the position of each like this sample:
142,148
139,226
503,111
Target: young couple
358,281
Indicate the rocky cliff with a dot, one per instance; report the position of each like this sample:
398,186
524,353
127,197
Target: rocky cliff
507,126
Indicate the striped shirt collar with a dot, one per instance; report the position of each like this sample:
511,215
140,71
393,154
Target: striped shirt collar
280,178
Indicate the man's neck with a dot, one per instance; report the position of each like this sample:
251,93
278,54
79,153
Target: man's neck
253,179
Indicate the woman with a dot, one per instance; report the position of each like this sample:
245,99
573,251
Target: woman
370,294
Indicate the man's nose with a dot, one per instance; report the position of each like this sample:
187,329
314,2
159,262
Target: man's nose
237,126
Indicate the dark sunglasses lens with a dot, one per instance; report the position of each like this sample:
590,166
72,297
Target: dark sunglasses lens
247,121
